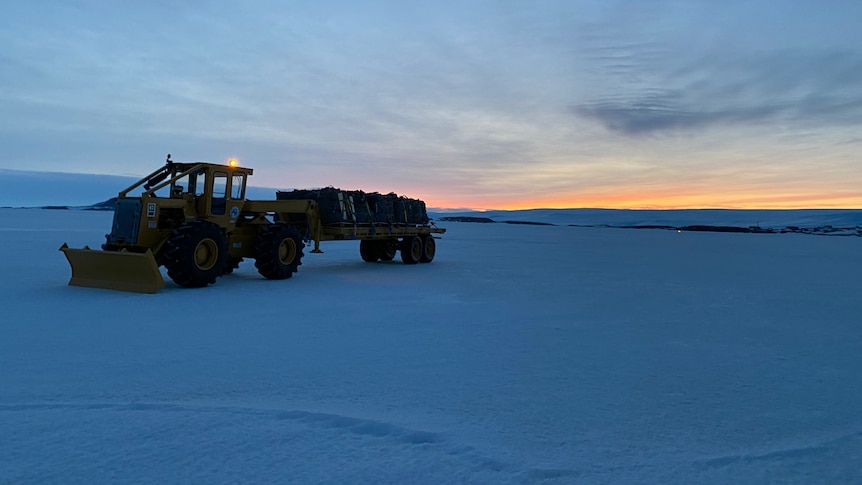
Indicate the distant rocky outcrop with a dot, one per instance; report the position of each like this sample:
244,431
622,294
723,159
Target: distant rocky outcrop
483,220
826,230
107,205
752,229
530,223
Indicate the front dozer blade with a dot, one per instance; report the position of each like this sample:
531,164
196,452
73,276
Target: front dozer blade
114,270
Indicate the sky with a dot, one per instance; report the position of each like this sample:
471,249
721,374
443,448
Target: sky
465,104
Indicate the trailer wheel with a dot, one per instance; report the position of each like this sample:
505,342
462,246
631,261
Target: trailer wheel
369,250
278,251
411,250
196,254
388,250
429,249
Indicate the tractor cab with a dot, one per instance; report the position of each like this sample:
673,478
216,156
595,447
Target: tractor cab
196,179
199,180
207,188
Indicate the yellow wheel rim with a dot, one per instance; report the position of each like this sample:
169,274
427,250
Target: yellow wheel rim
416,249
430,247
287,251
206,254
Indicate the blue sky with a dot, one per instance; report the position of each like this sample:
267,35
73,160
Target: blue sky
481,104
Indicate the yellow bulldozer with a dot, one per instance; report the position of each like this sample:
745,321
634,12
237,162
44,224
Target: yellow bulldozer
194,219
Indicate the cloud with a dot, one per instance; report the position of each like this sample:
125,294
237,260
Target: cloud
666,112
804,88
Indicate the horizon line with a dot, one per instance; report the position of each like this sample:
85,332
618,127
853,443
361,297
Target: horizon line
518,207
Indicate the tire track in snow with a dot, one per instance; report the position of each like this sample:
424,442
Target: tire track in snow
787,452
359,426
420,447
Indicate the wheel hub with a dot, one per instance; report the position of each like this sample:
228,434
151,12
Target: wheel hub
286,251
206,254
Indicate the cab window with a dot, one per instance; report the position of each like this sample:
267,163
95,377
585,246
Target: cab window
219,192
237,186
180,186
200,185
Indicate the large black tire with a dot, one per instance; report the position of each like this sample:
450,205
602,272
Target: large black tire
369,250
378,250
278,251
411,250
196,254
388,250
429,249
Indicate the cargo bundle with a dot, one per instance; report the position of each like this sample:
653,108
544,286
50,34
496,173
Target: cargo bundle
356,207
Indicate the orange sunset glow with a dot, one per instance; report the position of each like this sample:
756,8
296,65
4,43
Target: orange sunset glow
656,201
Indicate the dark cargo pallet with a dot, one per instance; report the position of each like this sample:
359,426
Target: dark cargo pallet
357,207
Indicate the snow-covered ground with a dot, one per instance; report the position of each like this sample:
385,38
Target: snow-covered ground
522,354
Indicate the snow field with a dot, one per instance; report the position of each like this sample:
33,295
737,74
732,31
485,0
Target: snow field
522,354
